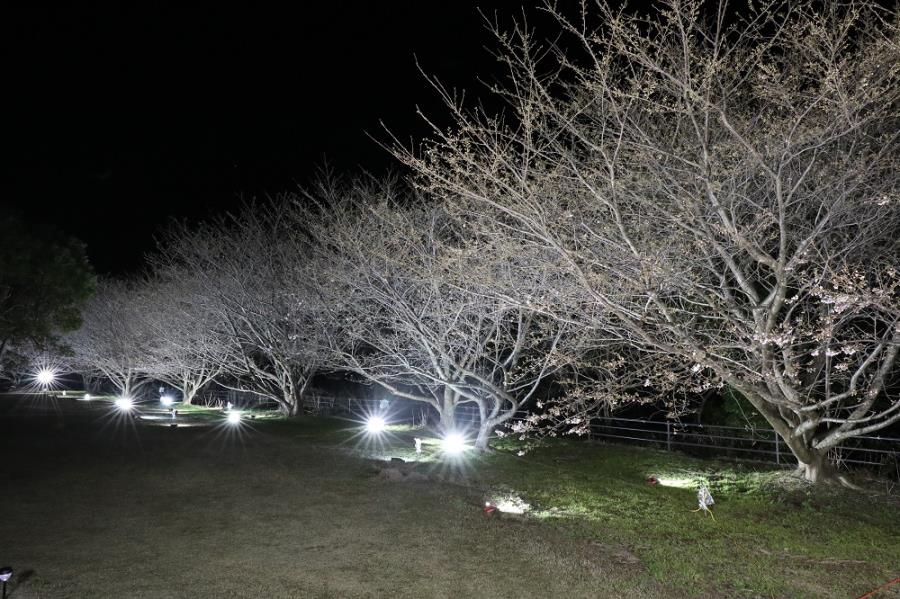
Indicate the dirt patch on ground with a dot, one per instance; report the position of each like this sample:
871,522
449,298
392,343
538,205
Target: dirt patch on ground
400,472
599,551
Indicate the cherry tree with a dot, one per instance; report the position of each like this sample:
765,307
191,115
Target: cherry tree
718,189
188,352
251,279
403,289
114,341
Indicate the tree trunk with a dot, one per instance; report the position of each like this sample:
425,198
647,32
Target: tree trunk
292,408
447,422
448,412
812,463
293,405
816,468
484,436
187,396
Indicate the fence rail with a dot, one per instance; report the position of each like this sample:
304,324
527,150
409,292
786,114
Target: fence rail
729,441
756,443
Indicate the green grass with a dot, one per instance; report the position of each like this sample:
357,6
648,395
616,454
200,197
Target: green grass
772,535
98,507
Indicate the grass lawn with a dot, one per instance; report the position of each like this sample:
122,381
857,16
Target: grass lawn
95,506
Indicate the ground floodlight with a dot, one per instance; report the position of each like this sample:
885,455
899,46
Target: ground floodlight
453,443
124,403
234,417
375,425
87,397
45,377
5,574
166,400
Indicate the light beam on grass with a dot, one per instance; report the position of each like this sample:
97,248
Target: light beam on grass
508,503
678,480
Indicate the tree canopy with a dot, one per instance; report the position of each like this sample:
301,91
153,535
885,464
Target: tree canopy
45,278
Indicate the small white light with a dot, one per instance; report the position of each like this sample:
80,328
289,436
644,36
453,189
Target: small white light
87,397
234,417
454,443
45,376
166,400
375,425
124,403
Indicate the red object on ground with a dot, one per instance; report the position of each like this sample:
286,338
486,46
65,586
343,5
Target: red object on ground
875,590
489,509
652,480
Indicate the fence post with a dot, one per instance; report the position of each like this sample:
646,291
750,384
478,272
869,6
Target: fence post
668,436
777,450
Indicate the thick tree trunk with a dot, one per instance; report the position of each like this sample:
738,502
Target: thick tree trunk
812,463
292,407
816,468
484,436
447,423
292,403
187,396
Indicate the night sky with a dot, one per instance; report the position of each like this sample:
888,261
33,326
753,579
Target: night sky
118,119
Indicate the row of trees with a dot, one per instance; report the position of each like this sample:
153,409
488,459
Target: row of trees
363,278
670,205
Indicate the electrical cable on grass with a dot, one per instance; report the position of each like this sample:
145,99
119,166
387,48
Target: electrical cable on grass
882,587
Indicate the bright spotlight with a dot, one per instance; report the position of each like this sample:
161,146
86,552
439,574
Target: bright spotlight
454,443
375,425
234,417
45,377
124,403
6,573
87,397
166,400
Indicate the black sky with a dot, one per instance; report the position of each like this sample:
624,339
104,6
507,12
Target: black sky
120,118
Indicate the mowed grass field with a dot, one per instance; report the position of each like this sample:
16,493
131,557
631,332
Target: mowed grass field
92,505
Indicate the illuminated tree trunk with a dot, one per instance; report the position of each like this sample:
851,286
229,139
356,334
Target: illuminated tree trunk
816,469
292,409
485,430
188,391
448,411
187,396
812,463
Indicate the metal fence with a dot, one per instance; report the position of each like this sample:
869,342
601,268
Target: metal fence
873,452
749,443
321,404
